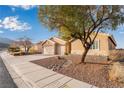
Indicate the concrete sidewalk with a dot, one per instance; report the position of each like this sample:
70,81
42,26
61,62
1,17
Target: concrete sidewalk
28,75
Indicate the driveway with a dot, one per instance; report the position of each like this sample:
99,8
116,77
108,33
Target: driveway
5,79
26,58
33,75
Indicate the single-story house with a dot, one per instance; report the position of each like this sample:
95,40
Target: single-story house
101,46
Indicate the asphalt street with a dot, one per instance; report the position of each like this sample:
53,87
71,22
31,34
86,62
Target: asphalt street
5,78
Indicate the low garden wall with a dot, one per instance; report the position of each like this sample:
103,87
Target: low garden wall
117,55
89,58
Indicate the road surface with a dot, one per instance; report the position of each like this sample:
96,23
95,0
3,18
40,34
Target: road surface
5,78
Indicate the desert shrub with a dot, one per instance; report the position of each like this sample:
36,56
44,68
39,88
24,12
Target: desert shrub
116,72
117,55
32,51
13,49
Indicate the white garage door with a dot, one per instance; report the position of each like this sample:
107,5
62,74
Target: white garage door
60,50
48,50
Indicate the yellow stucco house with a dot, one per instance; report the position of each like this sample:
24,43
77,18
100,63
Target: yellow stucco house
101,47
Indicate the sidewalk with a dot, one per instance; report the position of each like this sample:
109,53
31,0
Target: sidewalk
28,75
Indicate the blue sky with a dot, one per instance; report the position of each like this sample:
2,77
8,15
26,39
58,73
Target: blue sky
23,21
37,31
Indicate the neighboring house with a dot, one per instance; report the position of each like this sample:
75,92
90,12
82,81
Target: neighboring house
101,46
38,47
54,46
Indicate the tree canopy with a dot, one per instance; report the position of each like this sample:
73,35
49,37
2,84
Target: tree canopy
80,22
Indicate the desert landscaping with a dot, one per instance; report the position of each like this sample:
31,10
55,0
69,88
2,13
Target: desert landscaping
104,75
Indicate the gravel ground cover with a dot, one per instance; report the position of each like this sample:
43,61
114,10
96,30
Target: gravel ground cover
95,74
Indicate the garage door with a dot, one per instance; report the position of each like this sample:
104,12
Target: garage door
60,50
48,50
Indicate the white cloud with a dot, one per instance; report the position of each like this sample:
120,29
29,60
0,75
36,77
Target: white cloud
25,7
1,32
14,24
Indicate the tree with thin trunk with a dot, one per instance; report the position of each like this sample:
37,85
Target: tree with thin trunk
82,22
26,43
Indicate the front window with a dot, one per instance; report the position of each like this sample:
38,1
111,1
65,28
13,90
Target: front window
95,45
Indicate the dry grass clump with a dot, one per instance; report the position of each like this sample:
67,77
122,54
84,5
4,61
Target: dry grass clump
116,72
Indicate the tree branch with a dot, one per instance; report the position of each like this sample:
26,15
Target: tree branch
96,34
84,30
90,13
100,22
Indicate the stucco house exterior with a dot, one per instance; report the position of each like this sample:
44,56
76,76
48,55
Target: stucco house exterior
101,47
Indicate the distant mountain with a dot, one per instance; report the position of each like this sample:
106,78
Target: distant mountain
4,43
3,46
5,40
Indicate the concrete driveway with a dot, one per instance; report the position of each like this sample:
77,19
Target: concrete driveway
22,59
27,74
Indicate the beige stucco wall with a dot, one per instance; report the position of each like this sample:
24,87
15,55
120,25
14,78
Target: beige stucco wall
77,47
39,47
